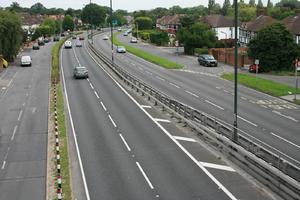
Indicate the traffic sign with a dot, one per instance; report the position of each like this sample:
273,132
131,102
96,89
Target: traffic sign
256,62
114,22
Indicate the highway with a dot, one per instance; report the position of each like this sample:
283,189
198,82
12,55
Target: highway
269,119
129,151
24,99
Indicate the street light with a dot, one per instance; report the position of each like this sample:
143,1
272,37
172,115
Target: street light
111,34
235,132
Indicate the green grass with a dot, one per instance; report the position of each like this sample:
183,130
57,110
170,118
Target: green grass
147,56
263,85
65,173
297,101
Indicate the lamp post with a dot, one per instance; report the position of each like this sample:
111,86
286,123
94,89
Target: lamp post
235,131
111,34
225,45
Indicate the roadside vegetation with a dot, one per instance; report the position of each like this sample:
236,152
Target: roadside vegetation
147,56
65,173
263,85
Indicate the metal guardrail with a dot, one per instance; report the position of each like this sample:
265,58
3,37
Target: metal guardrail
263,161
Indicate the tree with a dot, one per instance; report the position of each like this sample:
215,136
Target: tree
37,8
211,5
15,6
252,3
260,4
68,23
269,4
175,10
187,21
226,6
10,34
51,24
292,4
93,14
275,48
280,13
41,31
197,36
144,23
246,12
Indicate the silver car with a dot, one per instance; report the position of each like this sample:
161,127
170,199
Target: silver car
121,49
80,72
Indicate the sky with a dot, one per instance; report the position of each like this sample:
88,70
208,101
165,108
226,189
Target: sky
129,5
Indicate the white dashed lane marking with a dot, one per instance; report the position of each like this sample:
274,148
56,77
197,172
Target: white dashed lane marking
285,116
174,85
191,93
184,139
215,105
285,140
247,121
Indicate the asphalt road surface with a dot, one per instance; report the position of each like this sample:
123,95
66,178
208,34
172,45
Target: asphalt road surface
268,119
128,151
24,127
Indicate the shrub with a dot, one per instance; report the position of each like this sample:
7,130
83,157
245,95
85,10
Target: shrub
159,37
199,51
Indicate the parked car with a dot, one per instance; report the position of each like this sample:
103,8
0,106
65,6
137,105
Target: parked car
105,37
252,68
56,38
119,29
74,37
25,61
41,42
35,46
125,34
46,40
80,72
121,49
133,40
207,60
68,44
78,43
81,38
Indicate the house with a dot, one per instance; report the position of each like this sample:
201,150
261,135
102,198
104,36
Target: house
169,23
293,25
221,25
248,30
30,22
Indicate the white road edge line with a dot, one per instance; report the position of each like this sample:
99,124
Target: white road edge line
73,131
174,85
286,116
3,165
112,121
184,139
285,140
218,183
191,93
161,120
103,106
14,133
124,141
145,176
96,94
91,86
247,121
216,166
215,105
20,115
145,106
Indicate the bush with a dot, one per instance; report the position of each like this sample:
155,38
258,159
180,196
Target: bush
199,51
144,23
159,37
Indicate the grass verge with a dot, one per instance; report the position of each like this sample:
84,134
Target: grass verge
147,56
55,77
263,85
297,101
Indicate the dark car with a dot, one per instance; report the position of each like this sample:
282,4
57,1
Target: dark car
35,46
80,72
56,38
41,42
252,68
46,40
207,60
62,34
81,38
74,37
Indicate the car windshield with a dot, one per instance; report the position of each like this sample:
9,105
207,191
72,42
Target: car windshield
208,57
80,69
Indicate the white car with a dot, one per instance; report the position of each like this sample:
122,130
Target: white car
25,61
133,40
68,44
105,37
78,43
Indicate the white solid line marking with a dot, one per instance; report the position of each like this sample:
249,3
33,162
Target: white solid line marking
161,120
145,106
174,85
92,86
73,131
160,78
145,176
20,115
247,121
286,116
191,93
3,165
124,141
184,139
13,135
103,106
112,121
216,166
218,183
285,140
215,105
96,94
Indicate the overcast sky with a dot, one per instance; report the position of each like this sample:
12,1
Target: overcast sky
129,5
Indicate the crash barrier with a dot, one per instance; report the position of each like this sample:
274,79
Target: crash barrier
264,162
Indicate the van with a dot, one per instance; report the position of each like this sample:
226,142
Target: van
25,61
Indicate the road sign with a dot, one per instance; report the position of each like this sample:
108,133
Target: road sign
114,22
256,62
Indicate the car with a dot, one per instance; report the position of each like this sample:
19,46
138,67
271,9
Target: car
46,40
25,61
56,38
78,43
62,35
105,37
80,72
125,34
68,44
207,60
133,40
35,46
81,38
74,37
252,68
119,30
41,42
121,49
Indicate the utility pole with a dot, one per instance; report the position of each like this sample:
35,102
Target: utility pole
137,31
111,34
235,131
